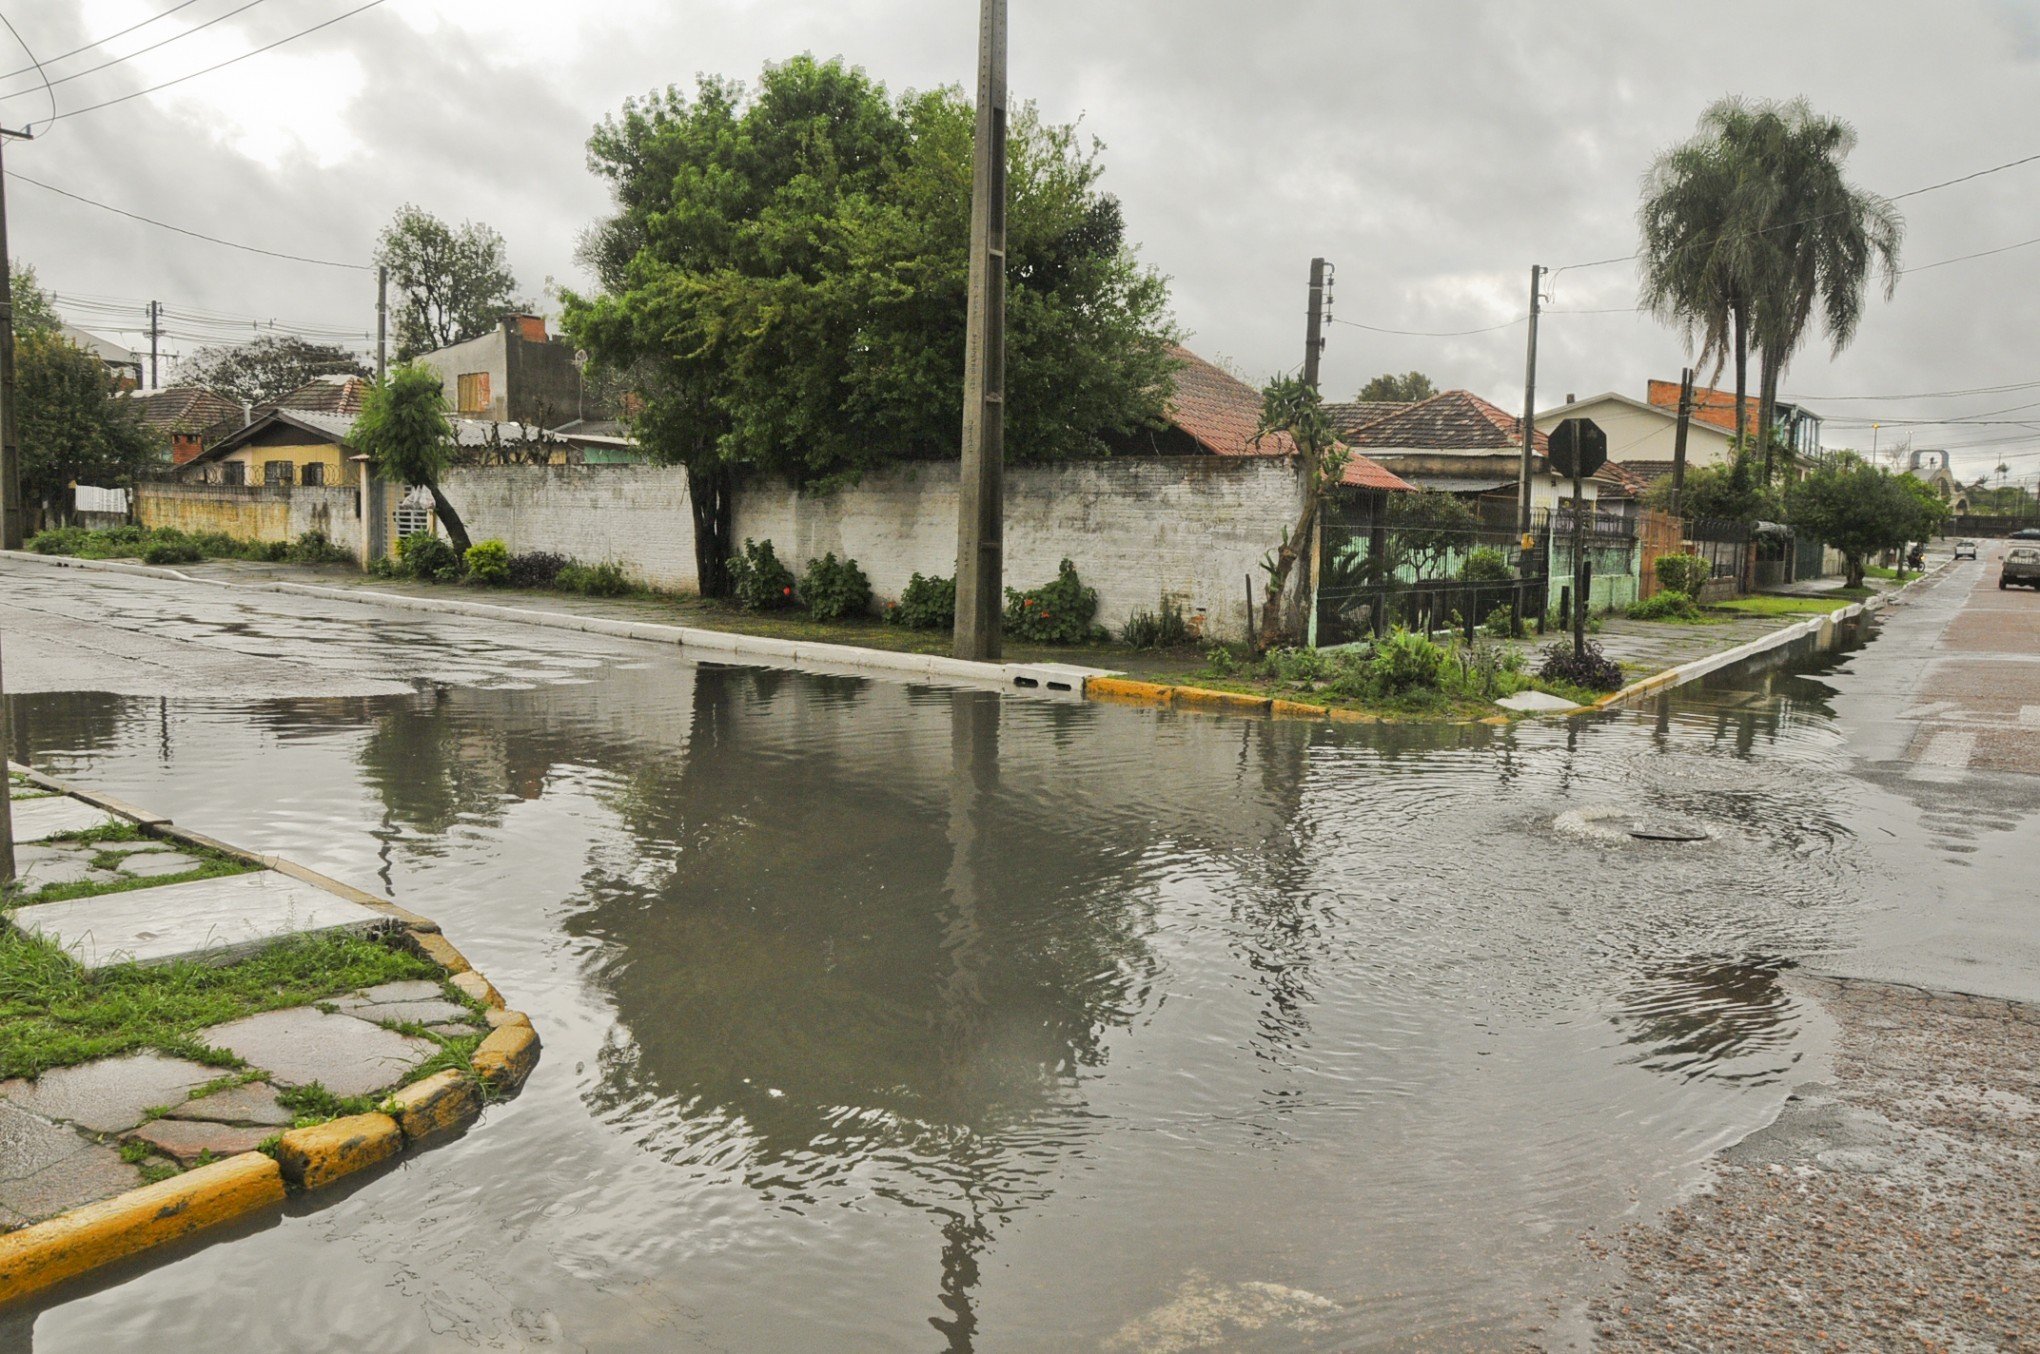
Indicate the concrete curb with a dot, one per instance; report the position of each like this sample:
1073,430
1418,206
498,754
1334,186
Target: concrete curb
45,1254
1059,681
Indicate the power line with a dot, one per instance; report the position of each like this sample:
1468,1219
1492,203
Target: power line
141,51
196,235
65,56
1429,333
47,89
221,65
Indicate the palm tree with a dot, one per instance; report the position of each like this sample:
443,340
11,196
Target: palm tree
404,431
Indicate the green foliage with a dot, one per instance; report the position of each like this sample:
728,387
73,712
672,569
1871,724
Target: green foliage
315,547
833,589
453,284
1665,605
925,604
758,581
71,426
1729,493
1683,573
1424,528
427,558
34,312
1590,669
536,569
1405,660
168,545
1166,629
1054,613
1861,509
403,428
1500,623
606,579
171,552
488,563
1388,388
266,368
1486,565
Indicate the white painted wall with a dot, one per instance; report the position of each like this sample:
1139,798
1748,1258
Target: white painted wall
1192,529
1639,435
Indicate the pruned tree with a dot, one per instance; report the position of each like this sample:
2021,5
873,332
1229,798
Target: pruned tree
1291,407
455,283
1388,388
266,368
1860,509
403,429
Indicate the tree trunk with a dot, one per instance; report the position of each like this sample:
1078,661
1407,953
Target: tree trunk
1767,408
456,530
1742,375
1273,615
711,491
1852,568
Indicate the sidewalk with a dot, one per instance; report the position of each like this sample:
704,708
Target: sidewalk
188,1032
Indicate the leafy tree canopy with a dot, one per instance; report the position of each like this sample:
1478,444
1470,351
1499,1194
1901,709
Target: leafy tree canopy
267,368
1730,493
404,431
455,283
72,426
1860,509
33,309
1407,388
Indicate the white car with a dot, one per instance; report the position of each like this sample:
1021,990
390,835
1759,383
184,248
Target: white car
1965,550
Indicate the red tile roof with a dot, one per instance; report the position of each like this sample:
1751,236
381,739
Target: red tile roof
326,395
1456,420
1350,416
185,409
1220,412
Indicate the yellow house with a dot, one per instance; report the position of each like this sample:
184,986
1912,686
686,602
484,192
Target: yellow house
282,448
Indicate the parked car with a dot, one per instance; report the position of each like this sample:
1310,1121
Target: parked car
2022,567
1965,550
2025,534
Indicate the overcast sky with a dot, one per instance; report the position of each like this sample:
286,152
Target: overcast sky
1432,151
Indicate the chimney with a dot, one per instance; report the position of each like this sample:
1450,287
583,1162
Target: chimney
1568,397
247,413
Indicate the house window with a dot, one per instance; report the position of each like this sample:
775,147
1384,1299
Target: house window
278,472
233,472
471,392
312,473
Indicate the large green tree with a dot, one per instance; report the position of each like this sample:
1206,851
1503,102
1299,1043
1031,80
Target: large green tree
266,368
404,431
1388,387
1860,509
72,425
783,285
33,309
1730,492
454,282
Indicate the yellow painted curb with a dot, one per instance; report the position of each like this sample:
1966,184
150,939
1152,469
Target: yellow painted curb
315,1157
1222,700
438,949
498,1017
1128,691
438,1104
34,1258
478,987
1282,709
1352,716
506,1057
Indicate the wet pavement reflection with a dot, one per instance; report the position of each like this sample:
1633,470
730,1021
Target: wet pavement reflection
891,1017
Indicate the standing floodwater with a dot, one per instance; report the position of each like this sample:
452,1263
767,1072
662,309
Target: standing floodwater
885,1017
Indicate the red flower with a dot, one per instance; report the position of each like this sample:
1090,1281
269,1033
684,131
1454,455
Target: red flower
787,591
1027,601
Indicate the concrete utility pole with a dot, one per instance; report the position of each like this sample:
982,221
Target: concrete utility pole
382,322
1537,271
155,331
11,519
1314,333
1679,438
980,498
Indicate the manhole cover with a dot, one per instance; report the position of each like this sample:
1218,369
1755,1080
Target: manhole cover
1614,823
1651,830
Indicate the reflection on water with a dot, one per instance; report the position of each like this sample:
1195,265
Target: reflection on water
883,1017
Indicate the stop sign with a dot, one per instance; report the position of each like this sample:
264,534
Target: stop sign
1578,448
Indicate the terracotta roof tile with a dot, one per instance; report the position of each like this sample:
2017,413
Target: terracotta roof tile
326,395
1456,420
1220,411
1350,416
185,409
1361,473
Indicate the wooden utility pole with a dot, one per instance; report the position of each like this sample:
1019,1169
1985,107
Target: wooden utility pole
1314,329
155,331
1529,408
11,517
980,499
382,322
1679,439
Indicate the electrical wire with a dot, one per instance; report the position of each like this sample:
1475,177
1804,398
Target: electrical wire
65,56
196,235
142,51
221,65
47,88
1430,333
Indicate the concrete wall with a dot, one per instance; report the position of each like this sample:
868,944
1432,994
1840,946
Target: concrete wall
1192,529
530,379
253,513
1640,435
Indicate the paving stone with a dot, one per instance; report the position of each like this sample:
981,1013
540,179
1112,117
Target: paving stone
130,848
187,1139
1539,702
68,869
405,1012
46,1168
253,1103
209,920
410,989
450,1030
304,1045
154,863
58,815
110,1095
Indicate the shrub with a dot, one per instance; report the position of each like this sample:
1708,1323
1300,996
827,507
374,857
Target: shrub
1486,565
1295,667
488,563
1054,613
172,550
758,580
1666,605
424,556
538,569
1405,661
1682,573
1150,630
1591,668
1500,623
1222,662
59,541
926,604
835,588
315,547
594,580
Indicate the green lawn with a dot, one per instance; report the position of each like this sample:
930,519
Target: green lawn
1766,604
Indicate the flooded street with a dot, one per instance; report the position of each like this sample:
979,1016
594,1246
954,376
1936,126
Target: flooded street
888,1017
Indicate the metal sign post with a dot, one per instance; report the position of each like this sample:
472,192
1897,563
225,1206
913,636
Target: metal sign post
1578,448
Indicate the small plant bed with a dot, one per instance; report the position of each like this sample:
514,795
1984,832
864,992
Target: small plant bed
110,859
1779,604
168,545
